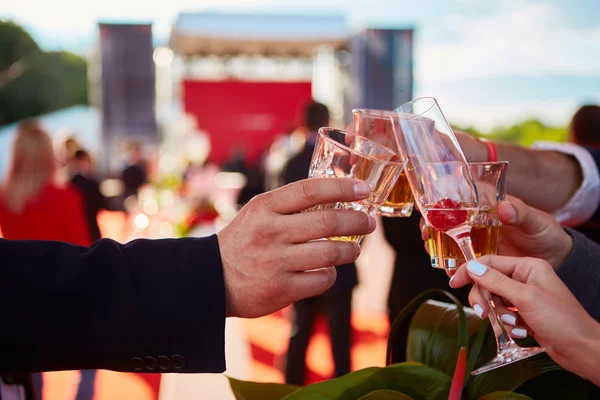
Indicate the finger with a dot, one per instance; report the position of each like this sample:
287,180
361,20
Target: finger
304,194
460,278
320,254
495,281
423,227
317,224
310,283
516,213
477,302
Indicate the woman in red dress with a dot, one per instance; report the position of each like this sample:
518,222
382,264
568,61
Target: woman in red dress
33,205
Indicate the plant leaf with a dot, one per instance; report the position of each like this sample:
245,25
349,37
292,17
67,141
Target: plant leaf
385,395
244,390
412,379
412,306
433,332
476,346
505,396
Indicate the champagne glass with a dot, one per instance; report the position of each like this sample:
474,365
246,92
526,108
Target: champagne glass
446,193
490,182
376,125
339,154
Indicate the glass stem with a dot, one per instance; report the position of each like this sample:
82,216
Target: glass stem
503,339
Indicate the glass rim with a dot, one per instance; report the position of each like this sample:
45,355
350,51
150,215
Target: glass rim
488,163
402,162
429,98
368,112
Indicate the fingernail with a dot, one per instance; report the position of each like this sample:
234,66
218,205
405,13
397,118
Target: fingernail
513,213
519,332
476,268
478,310
450,283
372,223
362,189
509,319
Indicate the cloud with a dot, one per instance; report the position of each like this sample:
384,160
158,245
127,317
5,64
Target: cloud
526,40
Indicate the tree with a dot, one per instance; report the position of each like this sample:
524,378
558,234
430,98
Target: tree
37,82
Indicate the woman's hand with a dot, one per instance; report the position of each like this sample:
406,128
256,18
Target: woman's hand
547,310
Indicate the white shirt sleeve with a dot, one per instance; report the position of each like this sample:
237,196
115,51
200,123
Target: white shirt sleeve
584,202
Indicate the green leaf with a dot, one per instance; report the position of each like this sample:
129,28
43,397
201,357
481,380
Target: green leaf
477,345
412,379
433,334
505,396
244,390
460,340
385,395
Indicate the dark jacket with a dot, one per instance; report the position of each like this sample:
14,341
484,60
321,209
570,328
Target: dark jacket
581,272
146,306
295,170
93,201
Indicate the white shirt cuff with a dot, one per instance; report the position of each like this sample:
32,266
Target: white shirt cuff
584,202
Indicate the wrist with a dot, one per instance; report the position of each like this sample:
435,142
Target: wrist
588,352
491,150
564,250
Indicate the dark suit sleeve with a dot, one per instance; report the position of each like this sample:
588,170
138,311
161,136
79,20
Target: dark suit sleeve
581,272
149,306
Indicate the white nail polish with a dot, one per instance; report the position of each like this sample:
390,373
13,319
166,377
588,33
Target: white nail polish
478,310
509,319
476,268
519,332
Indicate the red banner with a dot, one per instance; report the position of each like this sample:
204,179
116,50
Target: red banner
244,116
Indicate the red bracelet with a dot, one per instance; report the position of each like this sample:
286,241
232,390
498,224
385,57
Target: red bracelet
491,150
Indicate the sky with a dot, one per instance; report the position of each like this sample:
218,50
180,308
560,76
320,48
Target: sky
488,62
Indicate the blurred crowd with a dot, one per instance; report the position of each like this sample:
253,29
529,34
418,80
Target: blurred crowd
52,193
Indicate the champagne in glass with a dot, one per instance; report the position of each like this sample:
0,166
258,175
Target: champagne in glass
490,179
447,196
341,154
376,125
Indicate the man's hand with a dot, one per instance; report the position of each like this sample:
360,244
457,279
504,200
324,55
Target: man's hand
270,256
474,149
529,232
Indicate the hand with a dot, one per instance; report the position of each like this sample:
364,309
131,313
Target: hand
528,232
546,308
474,149
268,258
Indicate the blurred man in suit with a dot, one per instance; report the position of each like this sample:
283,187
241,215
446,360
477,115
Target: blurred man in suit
337,301
82,177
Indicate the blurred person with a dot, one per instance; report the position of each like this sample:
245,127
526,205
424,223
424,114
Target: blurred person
336,303
82,176
67,149
584,130
33,205
547,309
161,305
135,172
